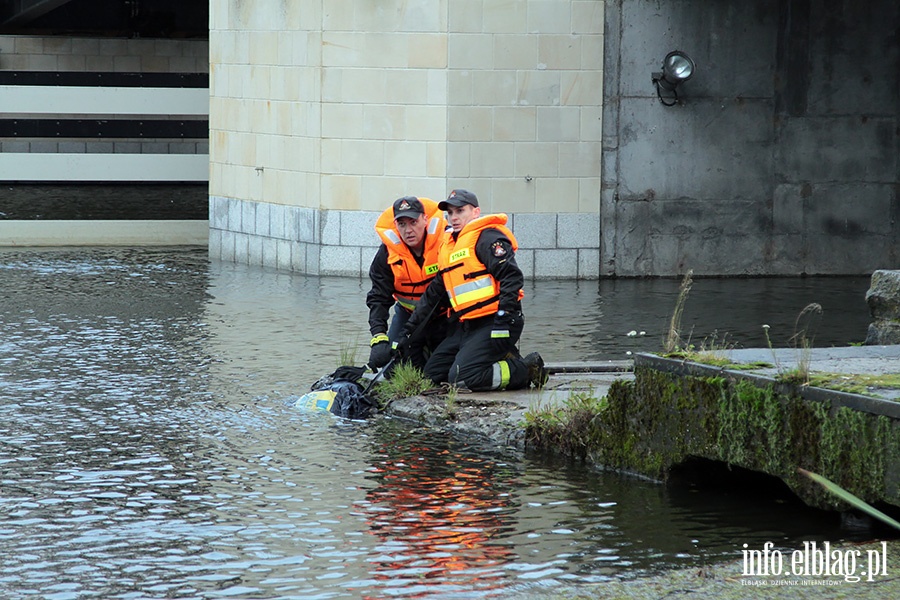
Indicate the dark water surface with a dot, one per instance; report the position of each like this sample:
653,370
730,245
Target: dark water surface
147,448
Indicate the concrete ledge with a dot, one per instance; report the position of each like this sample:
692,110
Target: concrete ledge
677,409
610,366
104,233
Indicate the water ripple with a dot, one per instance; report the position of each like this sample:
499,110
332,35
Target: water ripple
148,447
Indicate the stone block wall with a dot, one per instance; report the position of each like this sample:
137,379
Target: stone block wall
330,242
325,112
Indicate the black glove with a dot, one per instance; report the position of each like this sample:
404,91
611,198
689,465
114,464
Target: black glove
380,352
400,347
500,332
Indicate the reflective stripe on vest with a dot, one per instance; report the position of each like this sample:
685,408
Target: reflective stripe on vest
407,303
473,291
392,236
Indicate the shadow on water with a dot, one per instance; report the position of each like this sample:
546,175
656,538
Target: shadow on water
148,449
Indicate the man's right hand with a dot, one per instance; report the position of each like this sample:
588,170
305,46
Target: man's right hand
380,352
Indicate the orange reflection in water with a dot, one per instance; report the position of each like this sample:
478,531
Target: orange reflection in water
436,521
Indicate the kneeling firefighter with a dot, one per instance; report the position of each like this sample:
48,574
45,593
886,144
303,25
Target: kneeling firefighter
479,275
405,263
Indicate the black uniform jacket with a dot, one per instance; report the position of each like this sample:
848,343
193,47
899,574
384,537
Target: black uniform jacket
503,268
380,298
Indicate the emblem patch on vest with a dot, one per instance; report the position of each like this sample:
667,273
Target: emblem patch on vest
498,249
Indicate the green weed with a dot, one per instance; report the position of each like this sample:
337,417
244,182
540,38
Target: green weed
451,404
855,383
348,352
405,381
568,428
802,341
849,498
673,340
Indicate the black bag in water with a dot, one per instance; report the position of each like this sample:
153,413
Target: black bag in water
350,400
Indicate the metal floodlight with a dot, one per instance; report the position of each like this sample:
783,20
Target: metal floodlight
676,67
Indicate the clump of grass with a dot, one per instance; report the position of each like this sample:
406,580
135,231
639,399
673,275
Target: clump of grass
672,342
567,428
711,352
719,361
405,381
802,341
347,355
451,404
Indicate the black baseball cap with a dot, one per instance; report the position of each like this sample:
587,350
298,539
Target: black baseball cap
458,198
408,206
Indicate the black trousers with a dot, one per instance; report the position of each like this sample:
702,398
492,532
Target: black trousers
469,358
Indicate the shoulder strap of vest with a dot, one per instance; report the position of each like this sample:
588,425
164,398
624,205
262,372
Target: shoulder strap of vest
417,283
450,268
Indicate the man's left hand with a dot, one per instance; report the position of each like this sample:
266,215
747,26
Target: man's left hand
500,332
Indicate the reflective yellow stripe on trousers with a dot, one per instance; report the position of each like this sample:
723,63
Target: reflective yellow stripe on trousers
501,375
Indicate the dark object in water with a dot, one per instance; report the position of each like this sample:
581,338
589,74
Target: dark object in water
341,394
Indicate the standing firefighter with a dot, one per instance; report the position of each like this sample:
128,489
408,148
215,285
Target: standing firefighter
480,277
404,265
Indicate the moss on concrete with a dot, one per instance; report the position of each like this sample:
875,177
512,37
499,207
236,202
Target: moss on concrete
658,420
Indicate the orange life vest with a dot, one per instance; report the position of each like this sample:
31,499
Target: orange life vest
472,290
410,280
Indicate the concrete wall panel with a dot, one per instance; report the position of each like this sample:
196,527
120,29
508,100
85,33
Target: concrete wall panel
706,149
853,148
782,156
681,235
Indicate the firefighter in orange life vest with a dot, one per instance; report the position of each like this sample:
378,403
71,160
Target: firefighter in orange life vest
404,265
480,276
